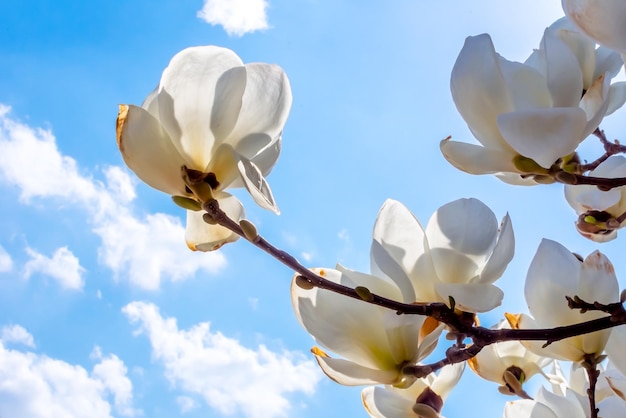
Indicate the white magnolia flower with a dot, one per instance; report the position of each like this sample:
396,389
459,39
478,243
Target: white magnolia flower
527,115
547,405
615,348
598,210
376,343
555,273
423,399
215,115
508,363
602,20
459,254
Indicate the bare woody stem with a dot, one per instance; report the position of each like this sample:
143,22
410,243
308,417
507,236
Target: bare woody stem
590,364
458,323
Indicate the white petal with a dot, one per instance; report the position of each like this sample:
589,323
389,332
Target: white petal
256,184
148,150
201,236
350,328
603,20
617,97
265,105
383,403
348,373
563,72
475,159
471,297
479,90
568,349
544,135
561,406
552,275
502,253
447,379
192,91
461,235
615,348
595,103
400,251
612,406
527,408
527,86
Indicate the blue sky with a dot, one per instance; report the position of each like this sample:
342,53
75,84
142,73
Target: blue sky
103,309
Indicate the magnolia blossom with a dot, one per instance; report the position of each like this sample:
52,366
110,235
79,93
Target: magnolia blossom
459,255
508,363
529,115
555,273
599,211
215,115
376,344
570,399
602,20
424,398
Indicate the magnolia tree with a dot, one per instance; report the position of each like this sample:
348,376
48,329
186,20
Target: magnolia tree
213,124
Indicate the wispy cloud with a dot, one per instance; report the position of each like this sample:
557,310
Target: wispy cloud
144,249
6,262
231,378
37,386
16,334
63,266
237,17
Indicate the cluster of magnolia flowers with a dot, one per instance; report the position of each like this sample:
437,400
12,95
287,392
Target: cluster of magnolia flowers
213,124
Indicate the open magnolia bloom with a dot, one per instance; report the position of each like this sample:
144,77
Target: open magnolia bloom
555,273
508,363
527,116
459,255
376,343
602,20
212,114
599,211
423,399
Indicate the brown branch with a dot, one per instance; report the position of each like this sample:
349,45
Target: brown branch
461,325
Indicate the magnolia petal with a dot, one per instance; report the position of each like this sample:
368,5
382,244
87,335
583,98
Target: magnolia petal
195,79
479,89
552,275
567,349
595,103
563,71
502,253
400,251
612,406
265,105
527,408
201,236
527,86
350,328
461,235
447,379
256,184
583,198
597,281
476,159
615,348
602,20
544,135
608,62
561,406
374,284
471,297
383,403
151,103
617,96
148,150
348,373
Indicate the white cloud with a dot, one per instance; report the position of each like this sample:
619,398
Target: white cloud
231,378
6,263
111,371
37,386
186,404
144,249
30,159
63,266
237,17
16,334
